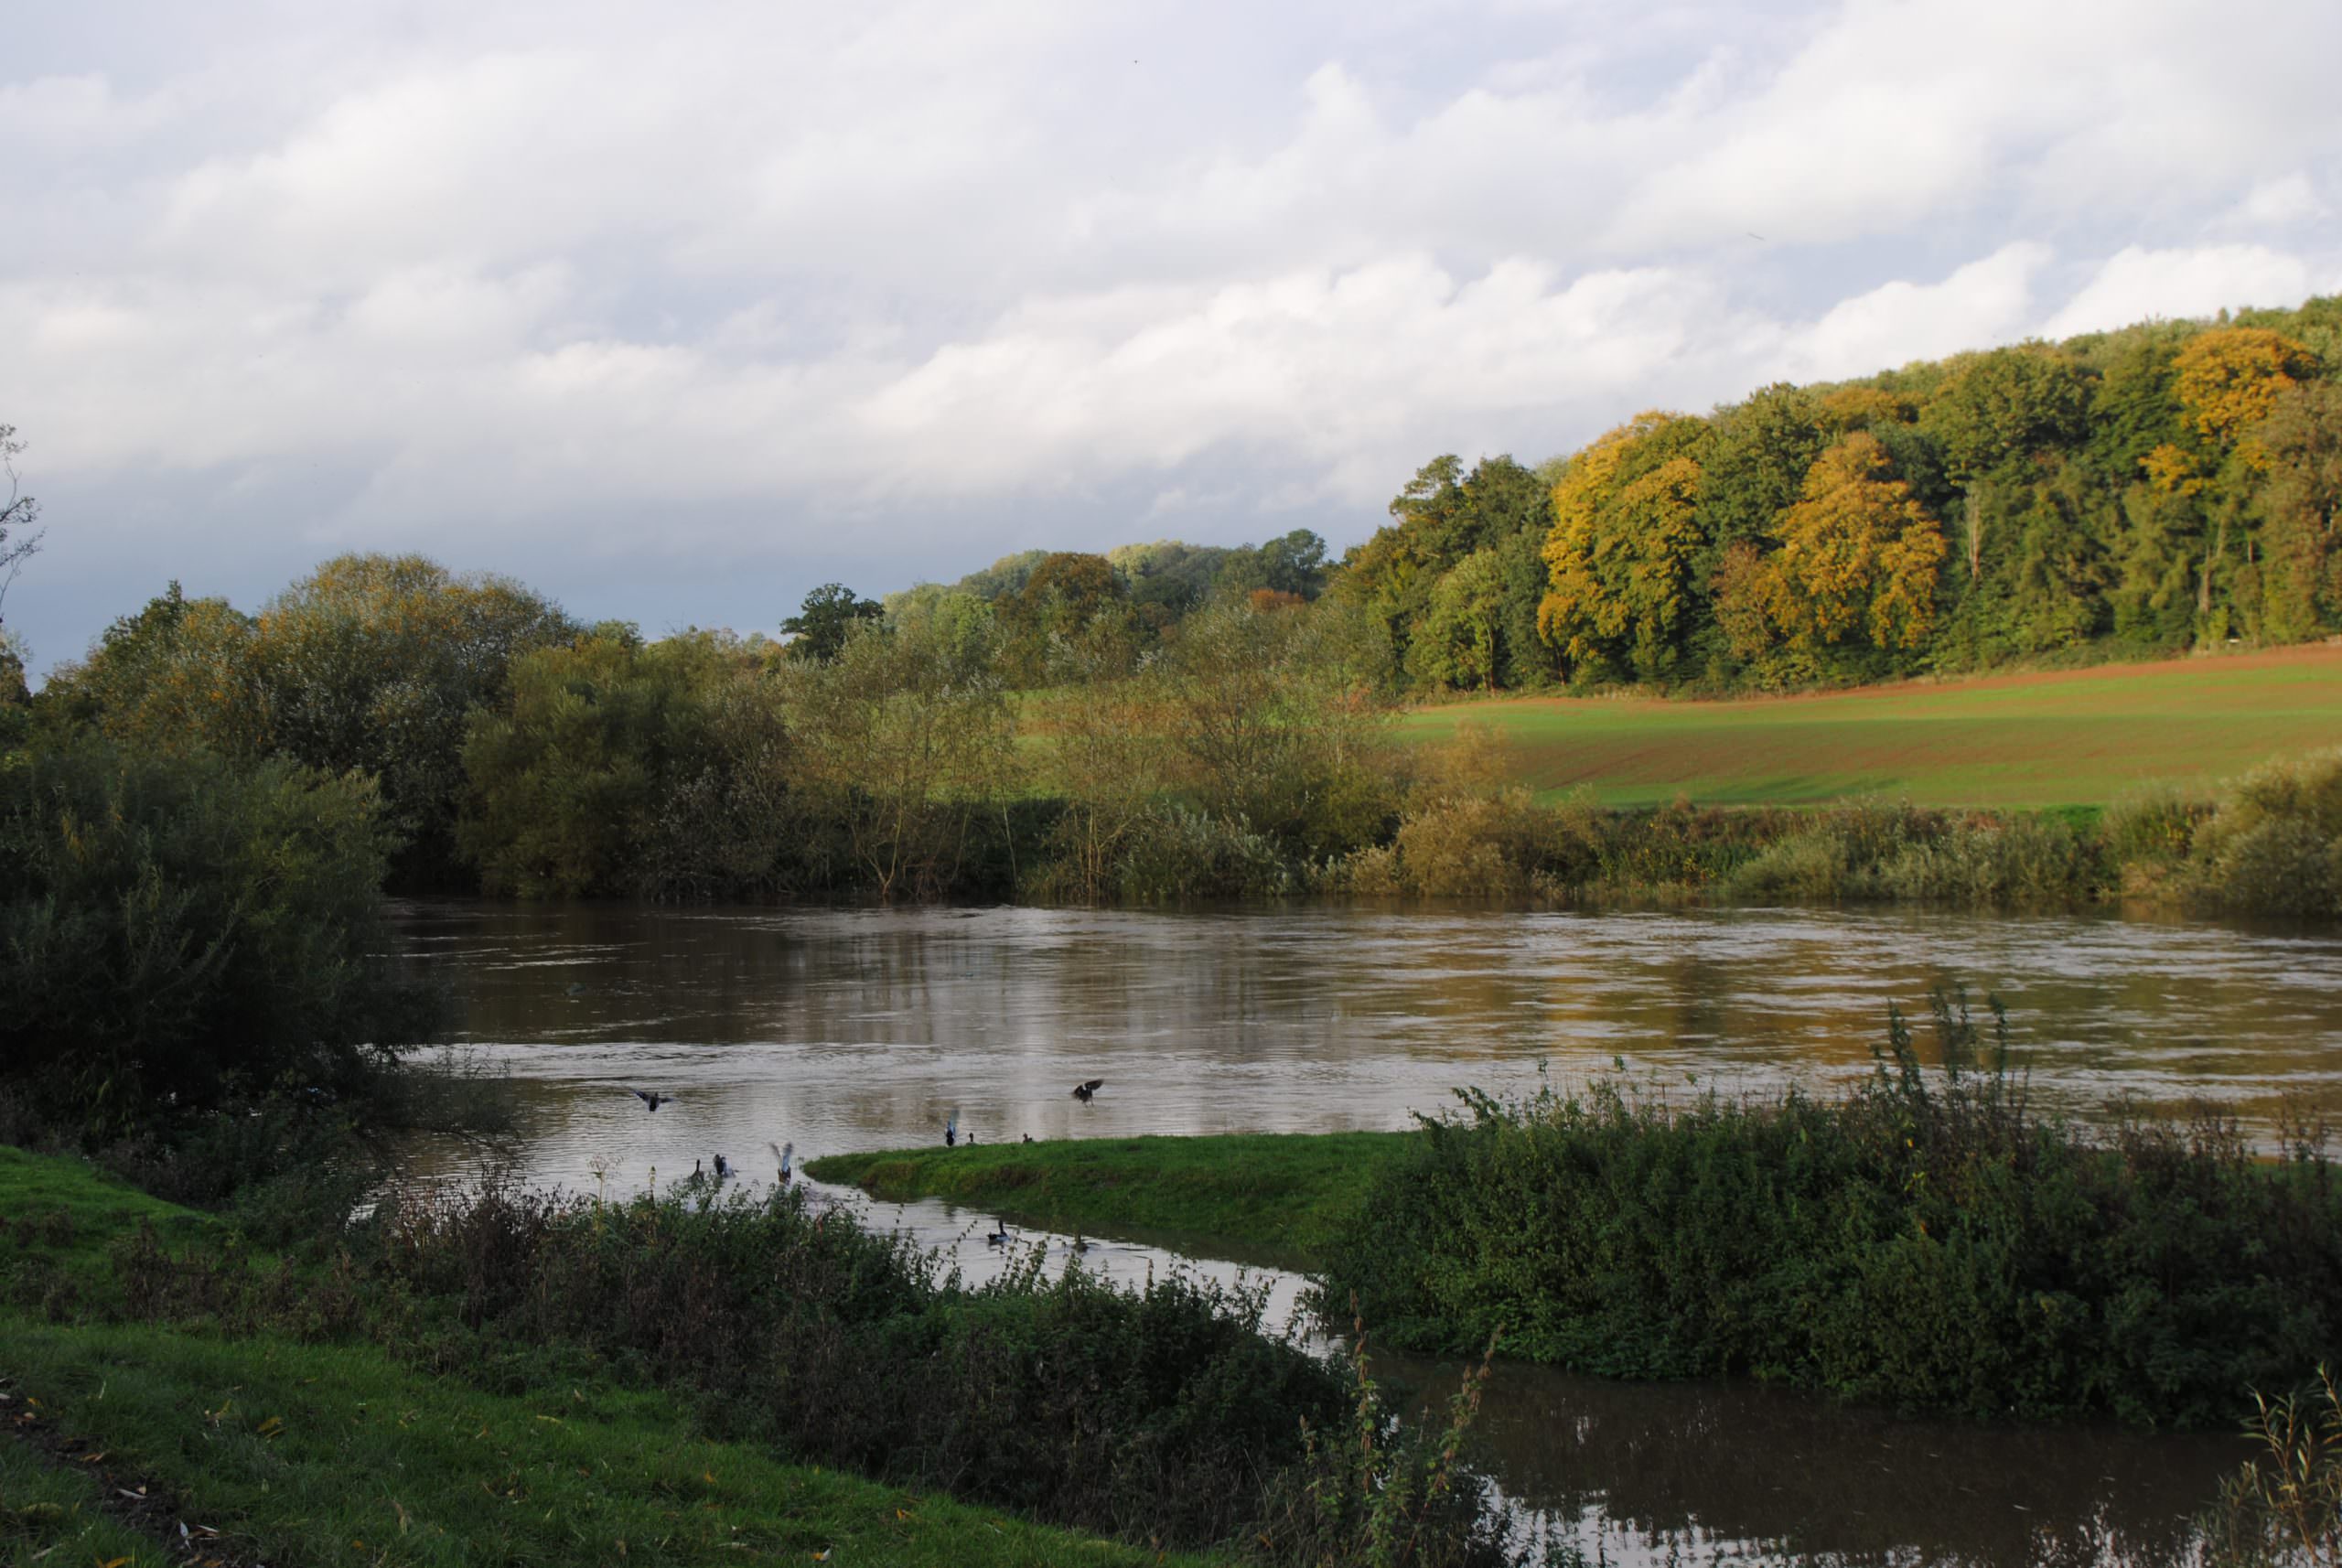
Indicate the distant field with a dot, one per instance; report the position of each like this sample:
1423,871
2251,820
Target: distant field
2075,737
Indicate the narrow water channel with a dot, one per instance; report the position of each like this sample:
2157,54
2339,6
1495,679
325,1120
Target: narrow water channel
843,1030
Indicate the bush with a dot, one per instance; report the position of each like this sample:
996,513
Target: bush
181,933
2275,846
1929,1242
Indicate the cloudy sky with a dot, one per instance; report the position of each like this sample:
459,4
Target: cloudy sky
676,312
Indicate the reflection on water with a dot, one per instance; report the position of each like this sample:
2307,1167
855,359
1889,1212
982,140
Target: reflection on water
842,1030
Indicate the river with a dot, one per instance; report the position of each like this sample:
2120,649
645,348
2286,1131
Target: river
839,1030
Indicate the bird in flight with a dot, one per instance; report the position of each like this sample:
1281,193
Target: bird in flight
653,1099
783,1154
951,1132
1083,1092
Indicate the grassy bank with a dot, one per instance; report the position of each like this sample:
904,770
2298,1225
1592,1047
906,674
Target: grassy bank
2065,738
1239,1194
298,1450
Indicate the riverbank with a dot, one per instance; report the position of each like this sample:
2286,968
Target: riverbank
1276,1198
340,1405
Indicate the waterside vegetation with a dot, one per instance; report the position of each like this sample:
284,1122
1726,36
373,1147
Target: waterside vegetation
670,1379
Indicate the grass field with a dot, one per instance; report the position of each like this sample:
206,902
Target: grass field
299,1451
2068,738
1277,1195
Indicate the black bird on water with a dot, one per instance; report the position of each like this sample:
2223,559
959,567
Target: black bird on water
1083,1092
653,1099
723,1167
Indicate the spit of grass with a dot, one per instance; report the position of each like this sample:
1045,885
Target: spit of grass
1275,1196
315,1453
2068,738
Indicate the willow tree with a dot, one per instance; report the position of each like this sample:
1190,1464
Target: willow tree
900,742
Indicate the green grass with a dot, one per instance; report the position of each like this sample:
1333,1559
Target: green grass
1276,1197
339,1452
2071,738
50,1513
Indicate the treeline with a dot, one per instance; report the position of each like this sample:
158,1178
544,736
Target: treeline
2167,485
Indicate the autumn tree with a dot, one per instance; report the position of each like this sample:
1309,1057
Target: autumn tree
1626,537
1857,556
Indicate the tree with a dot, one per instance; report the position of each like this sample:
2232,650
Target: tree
1268,719
617,768
1456,642
2302,508
818,630
376,661
1625,536
20,513
2006,404
900,744
1857,555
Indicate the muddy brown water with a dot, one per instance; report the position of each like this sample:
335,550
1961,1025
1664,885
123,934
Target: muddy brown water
851,1029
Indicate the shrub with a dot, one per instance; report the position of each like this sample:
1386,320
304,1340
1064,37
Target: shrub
2274,846
1931,1242
181,933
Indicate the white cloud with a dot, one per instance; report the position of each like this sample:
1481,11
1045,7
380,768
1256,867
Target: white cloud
459,275
1983,303
2136,284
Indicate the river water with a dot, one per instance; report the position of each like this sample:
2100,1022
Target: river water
839,1030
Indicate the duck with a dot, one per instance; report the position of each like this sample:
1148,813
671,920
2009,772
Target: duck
1083,1092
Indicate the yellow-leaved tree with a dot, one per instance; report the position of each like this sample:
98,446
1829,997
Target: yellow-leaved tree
1858,556
1625,532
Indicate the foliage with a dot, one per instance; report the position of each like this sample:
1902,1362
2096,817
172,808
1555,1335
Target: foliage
372,663
901,743
658,770
2169,485
181,932
1857,556
2284,1506
818,630
2274,844
1269,720
1932,1242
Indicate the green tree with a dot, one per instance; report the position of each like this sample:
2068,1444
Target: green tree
2006,404
819,630
375,662
1456,642
900,745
